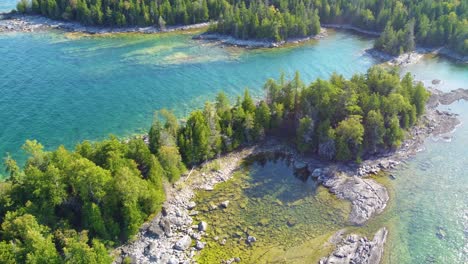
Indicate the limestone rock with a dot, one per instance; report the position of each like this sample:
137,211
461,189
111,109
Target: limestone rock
183,243
251,239
199,245
224,204
202,226
355,249
191,205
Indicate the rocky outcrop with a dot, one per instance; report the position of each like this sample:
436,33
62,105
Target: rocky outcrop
357,250
367,197
30,23
254,43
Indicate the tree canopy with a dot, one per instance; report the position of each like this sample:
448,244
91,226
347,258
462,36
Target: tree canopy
403,23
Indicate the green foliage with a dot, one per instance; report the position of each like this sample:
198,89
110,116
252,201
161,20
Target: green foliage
275,20
402,23
108,189
304,134
193,139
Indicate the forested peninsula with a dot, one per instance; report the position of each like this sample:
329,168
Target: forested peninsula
73,206
403,23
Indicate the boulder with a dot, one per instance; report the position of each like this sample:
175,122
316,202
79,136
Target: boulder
224,204
183,243
251,239
299,165
155,230
355,249
173,260
191,205
199,245
202,226
317,173
165,224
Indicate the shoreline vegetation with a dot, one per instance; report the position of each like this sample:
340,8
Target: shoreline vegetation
99,195
13,22
401,26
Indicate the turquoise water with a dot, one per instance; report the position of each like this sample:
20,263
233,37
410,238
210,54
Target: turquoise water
7,5
62,89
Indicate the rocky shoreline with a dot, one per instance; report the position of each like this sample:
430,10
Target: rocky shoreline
356,249
413,57
173,237
251,43
33,23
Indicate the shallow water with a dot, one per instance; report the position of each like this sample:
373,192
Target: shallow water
283,209
65,88
7,5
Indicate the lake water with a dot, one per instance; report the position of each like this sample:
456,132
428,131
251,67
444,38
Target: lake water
7,5
64,88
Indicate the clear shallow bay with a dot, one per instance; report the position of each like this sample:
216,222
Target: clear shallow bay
62,88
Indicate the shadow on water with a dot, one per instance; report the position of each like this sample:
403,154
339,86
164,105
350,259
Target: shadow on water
274,175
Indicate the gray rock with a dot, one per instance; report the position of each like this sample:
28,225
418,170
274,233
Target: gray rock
191,205
173,260
193,213
251,239
202,226
224,204
367,197
355,249
155,230
223,242
317,172
299,165
196,236
183,243
237,259
165,224
199,245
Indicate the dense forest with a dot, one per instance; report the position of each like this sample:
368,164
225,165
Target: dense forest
73,205
403,22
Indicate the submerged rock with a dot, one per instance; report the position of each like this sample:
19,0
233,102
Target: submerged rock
367,197
251,239
202,226
441,233
355,249
224,204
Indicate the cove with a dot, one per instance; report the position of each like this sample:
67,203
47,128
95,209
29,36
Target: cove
288,213
64,88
